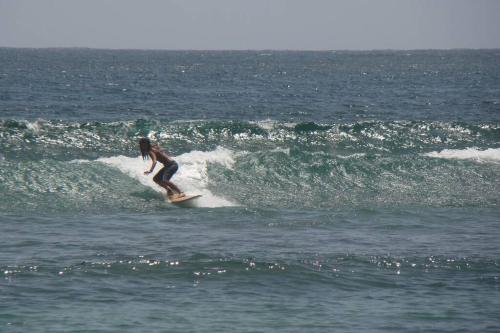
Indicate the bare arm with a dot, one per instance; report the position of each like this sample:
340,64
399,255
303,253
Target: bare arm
153,159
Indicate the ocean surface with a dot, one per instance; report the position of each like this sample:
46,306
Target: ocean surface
341,191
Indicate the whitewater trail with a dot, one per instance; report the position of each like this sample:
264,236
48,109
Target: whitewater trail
192,176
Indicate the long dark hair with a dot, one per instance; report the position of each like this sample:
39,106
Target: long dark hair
145,146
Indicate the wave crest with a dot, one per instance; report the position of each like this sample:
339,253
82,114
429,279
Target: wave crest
263,164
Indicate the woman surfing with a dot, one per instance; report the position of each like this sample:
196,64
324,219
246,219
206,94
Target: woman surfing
170,166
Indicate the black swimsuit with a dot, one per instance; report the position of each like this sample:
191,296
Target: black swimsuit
168,170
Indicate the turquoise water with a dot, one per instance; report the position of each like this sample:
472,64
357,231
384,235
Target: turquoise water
342,191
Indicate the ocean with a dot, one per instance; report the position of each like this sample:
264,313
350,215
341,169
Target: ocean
341,191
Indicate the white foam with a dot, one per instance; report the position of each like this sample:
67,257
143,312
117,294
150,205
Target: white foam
37,125
280,150
355,156
269,124
488,155
192,176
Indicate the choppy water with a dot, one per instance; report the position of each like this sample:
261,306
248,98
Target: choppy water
346,191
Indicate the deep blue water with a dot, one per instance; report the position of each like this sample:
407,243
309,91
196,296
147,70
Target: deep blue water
342,191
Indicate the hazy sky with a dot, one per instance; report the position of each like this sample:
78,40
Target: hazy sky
251,24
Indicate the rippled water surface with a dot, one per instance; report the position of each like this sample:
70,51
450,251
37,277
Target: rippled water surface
341,191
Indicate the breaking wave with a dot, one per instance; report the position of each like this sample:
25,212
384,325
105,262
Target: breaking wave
55,165
487,155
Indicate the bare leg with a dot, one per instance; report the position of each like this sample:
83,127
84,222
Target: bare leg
173,187
170,187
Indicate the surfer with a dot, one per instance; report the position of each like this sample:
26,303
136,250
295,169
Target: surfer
170,166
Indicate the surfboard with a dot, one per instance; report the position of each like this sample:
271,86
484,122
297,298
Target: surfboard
186,198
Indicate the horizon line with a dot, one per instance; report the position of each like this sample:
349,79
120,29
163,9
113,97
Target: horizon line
246,50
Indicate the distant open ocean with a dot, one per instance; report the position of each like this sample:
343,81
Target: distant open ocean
342,191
